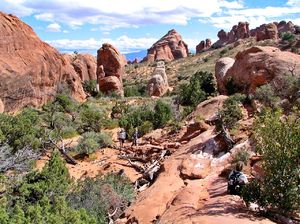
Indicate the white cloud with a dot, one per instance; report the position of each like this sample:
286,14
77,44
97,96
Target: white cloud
124,43
53,27
45,17
114,14
293,3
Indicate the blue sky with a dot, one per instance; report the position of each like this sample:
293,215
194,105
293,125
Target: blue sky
134,25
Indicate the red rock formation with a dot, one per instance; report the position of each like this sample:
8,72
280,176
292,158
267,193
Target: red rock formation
268,31
257,66
1,106
240,31
221,68
110,63
158,84
31,71
203,46
85,65
169,47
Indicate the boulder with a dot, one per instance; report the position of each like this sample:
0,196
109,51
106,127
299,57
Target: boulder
1,106
111,84
31,71
193,130
110,69
169,47
221,68
158,84
195,168
85,65
257,66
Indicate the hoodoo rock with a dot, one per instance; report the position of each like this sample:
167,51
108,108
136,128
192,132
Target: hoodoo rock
110,69
240,31
268,31
169,47
85,65
257,66
158,84
203,46
31,71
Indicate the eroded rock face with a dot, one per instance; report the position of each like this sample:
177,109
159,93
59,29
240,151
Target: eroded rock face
203,46
31,71
85,65
221,67
110,69
1,106
169,47
240,31
268,31
158,84
257,66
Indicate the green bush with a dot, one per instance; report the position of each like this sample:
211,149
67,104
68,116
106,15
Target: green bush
92,141
90,118
40,198
136,90
101,195
145,128
66,102
90,87
162,114
231,112
22,130
201,86
242,155
223,52
267,96
277,140
288,36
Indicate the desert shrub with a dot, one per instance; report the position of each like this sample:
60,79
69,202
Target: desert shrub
101,195
288,36
277,140
267,96
40,198
90,118
145,127
110,123
231,87
119,109
242,155
90,87
22,130
201,86
66,102
231,112
92,141
223,52
136,90
162,114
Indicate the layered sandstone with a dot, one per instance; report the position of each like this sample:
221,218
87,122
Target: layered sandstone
169,47
31,71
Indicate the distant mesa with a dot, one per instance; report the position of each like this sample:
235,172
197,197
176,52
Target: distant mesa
110,69
31,71
169,47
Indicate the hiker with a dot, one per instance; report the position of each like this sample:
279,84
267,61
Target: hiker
135,138
237,179
122,137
